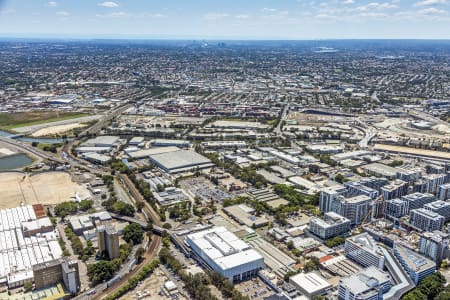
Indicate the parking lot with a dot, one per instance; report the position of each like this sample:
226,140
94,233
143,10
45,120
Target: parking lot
255,289
204,189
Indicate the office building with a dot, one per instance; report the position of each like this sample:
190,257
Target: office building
59,270
225,253
71,276
416,265
434,245
330,226
101,238
356,209
440,207
444,192
395,189
364,250
367,284
426,220
310,284
328,198
108,241
112,242
356,189
417,200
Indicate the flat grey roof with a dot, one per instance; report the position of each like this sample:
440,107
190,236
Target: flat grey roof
179,159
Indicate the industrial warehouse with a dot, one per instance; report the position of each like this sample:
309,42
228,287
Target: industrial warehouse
180,161
225,253
27,238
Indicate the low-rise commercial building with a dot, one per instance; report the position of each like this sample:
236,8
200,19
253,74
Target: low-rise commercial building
367,284
310,284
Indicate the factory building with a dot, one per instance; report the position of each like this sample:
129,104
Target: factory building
363,249
367,284
180,161
434,245
224,252
330,226
380,170
170,196
170,143
310,284
26,239
426,220
416,265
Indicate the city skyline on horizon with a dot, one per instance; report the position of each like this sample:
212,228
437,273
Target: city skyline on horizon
233,20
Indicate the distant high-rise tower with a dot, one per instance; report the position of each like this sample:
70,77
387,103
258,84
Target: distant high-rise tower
112,242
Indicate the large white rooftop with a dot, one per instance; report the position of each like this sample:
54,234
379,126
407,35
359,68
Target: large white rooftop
311,282
223,247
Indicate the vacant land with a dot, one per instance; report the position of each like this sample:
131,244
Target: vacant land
58,129
9,121
149,288
45,188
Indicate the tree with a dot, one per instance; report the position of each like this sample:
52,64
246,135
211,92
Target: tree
309,266
28,286
290,245
339,178
133,233
139,254
101,271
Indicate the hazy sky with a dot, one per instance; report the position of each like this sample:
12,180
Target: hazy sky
234,19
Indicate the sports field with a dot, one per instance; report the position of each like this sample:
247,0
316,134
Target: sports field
44,188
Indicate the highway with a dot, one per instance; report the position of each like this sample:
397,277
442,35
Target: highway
28,148
283,116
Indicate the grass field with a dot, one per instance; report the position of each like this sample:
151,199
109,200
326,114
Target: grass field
9,121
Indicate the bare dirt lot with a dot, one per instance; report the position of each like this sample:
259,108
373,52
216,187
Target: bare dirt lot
149,288
58,129
44,188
